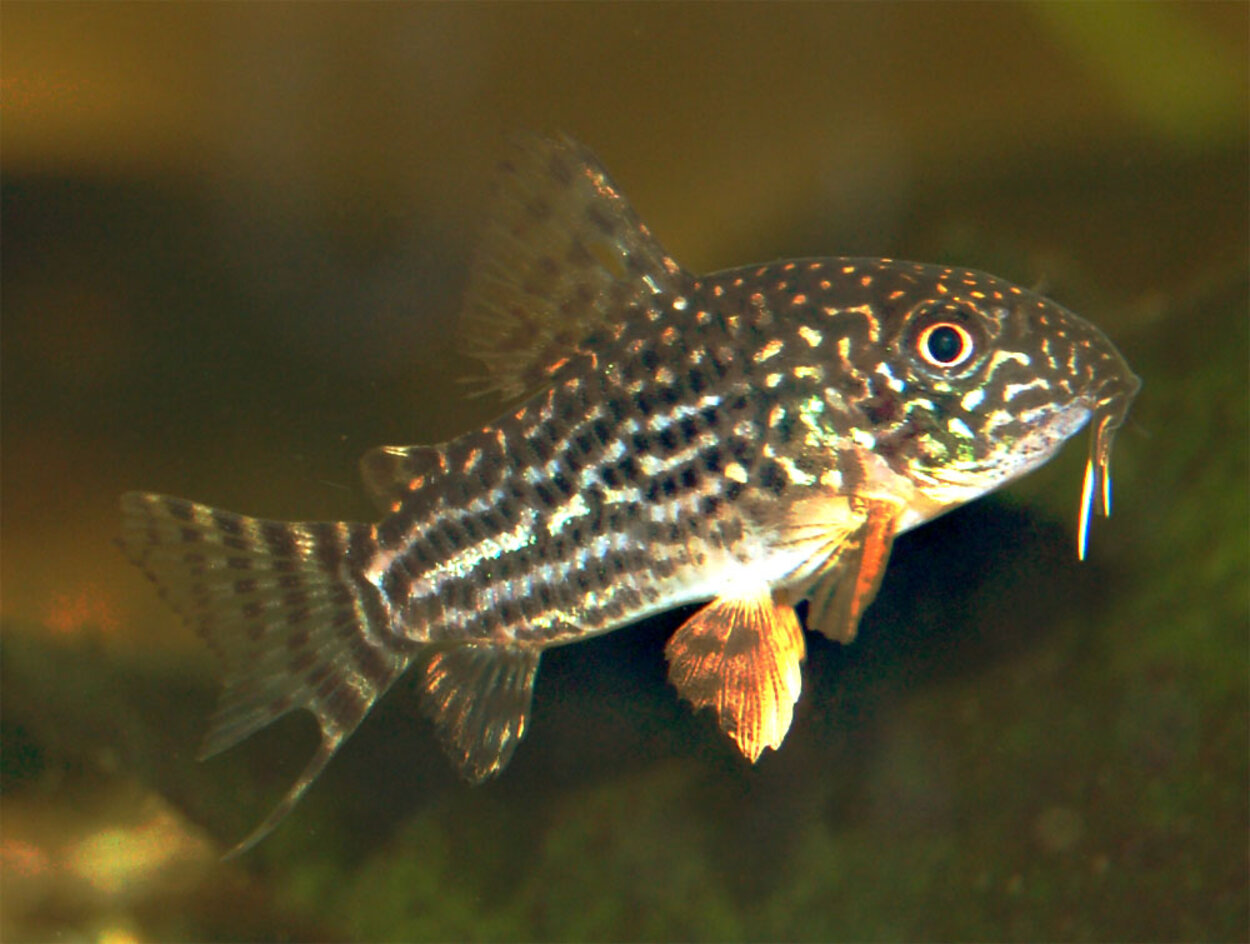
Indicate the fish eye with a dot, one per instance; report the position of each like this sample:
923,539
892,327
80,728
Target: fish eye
945,344
944,338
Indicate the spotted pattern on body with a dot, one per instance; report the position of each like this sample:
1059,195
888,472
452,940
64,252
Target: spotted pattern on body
751,438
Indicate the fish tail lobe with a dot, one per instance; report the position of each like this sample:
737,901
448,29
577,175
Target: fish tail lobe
287,609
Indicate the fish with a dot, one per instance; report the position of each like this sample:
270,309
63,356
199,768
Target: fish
746,440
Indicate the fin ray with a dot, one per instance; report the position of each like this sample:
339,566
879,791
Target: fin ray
564,254
858,533
741,658
283,608
391,473
479,697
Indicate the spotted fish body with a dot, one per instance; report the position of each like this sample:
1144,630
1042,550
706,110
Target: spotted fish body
752,438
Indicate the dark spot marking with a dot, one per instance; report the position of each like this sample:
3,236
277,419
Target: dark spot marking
541,446
227,523
882,409
453,531
279,538
319,674
182,510
601,221
359,546
345,704
372,665
562,485
773,477
395,585
509,613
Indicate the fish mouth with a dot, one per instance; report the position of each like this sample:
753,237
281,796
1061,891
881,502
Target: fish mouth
1108,416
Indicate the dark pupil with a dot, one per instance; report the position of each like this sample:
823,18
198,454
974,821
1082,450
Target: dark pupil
945,344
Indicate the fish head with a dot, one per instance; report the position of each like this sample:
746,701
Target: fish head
982,381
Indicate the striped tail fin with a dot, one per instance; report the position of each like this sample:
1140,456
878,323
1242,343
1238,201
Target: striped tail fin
286,607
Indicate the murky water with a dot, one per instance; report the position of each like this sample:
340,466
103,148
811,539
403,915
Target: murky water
234,241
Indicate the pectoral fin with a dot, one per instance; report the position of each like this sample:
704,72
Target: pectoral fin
741,657
839,596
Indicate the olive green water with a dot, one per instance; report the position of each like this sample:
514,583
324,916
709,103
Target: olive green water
227,273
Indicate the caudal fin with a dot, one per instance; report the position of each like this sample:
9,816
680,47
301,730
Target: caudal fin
286,608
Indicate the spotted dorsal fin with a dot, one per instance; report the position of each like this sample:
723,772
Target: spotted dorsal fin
391,473
479,698
741,656
564,253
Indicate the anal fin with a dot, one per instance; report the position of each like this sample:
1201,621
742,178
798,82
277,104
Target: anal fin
741,657
479,697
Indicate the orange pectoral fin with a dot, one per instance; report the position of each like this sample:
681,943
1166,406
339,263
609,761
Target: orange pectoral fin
840,597
741,657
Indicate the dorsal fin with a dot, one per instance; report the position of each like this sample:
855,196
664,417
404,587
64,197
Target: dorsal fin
563,254
479,698
391,473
